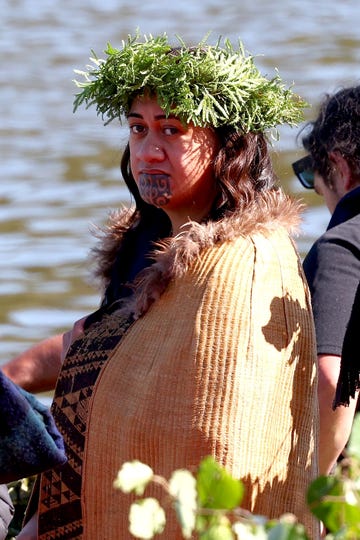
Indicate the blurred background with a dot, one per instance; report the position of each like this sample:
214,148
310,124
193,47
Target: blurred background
60,172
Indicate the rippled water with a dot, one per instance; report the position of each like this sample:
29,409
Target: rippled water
59,171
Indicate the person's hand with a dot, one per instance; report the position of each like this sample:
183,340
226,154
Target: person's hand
30,530
69,337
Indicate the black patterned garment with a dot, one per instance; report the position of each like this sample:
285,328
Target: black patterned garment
60,514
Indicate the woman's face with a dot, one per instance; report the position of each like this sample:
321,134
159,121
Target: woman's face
171,163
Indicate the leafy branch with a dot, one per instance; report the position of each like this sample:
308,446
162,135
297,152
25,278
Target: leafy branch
207,85
208,504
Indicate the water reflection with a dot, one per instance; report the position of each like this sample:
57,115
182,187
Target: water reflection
60,172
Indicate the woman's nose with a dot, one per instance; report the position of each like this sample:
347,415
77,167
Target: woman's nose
150,150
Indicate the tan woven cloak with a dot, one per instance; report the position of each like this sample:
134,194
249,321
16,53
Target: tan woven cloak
223,363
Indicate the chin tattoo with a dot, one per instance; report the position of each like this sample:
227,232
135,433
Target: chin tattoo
155,188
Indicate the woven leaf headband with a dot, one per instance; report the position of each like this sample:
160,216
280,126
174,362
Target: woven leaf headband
207,85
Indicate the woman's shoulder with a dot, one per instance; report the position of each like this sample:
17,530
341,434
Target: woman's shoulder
269,220
268,212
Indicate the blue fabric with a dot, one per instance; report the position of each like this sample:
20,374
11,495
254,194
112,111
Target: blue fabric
29,440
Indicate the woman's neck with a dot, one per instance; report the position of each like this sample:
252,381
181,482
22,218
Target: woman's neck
179,222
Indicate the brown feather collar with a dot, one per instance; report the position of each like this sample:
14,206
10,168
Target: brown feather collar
174,255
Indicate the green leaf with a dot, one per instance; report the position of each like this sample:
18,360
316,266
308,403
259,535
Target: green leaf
322,486
222,83
335,502
287,531
216,487
353,447
218,532
147,518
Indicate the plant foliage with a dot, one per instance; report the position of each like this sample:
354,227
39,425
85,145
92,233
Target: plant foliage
206,85
207,504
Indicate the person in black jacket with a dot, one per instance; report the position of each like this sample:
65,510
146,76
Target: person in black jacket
332,266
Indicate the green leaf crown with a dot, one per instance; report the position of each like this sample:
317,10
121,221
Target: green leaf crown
207,85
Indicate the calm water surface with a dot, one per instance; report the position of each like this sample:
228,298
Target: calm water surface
59,171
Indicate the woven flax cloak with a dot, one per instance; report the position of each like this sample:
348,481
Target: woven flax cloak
222,363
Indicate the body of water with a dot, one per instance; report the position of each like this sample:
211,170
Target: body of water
60,171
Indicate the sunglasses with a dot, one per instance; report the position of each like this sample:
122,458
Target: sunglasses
303,168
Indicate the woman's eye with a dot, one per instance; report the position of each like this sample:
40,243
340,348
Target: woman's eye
170,130
137,128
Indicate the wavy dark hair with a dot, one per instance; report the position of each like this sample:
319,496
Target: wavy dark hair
336,128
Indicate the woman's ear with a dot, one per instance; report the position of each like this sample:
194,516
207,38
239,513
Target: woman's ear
344,170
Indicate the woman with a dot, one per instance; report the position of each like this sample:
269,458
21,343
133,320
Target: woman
210,346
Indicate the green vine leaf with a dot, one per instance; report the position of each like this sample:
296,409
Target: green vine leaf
335,501
353,448
216,487
287,531
218,532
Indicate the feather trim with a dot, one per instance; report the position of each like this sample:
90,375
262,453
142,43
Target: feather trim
174,255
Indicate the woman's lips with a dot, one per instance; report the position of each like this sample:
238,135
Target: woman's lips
154,187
